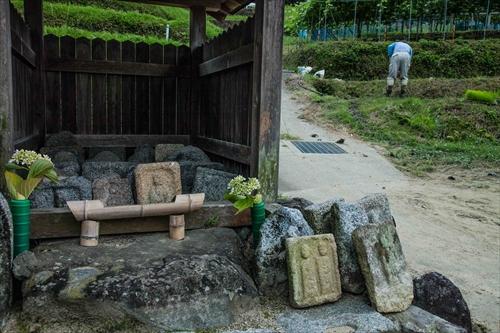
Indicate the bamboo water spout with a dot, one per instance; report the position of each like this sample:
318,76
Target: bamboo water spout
95,210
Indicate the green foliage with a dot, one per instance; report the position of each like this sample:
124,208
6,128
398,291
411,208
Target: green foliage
112,19
481,96
25,171
421,134
355,60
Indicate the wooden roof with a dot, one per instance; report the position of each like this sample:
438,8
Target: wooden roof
217,8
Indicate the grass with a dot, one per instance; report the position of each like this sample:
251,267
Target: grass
481,96
120,20
421,134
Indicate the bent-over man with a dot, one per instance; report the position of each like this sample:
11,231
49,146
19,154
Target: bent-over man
400,55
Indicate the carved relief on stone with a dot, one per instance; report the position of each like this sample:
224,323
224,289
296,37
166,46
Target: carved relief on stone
313,270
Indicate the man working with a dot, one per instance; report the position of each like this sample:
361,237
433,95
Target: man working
400,55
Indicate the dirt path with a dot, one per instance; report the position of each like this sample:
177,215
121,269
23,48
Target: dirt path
448,226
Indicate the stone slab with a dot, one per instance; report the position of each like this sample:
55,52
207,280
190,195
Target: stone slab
119,151
376,207
43,196
143,154
313,270
417,320
381,258
93,170
157,182
188,172
350,311
71,189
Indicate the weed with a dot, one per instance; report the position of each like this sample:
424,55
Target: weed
212,222
288,136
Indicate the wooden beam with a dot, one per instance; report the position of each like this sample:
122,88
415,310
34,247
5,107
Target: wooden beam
229,150
114,67
33,14
60,223
266,99
32,142
212,5
129,140
23,51
235,58
6,90
197,27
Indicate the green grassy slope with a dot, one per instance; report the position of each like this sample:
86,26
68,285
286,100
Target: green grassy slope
121,20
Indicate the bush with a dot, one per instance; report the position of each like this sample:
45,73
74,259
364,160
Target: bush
355,60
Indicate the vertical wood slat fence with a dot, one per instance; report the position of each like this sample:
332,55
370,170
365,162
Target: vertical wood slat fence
224,115
109,87
25,129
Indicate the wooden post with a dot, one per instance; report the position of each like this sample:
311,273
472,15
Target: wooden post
197,36
33,14
266,99
6,90
197,27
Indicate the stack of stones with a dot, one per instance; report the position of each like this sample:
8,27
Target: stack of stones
148,175
318,252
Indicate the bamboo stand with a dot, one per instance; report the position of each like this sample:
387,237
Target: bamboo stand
89,212
177,227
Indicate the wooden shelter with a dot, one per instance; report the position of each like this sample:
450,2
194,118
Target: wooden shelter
222,95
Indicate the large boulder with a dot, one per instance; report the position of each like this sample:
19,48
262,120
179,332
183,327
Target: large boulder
72,189
270,252
346,218
383,264
438,295
61,139
106,156
376,207
212,182
93,170
64,156
189,154
416,320
319,216
24,265
165,284
143,154
157,182
5,258
43,196
350,314
163,150
66,163
113,191
53,151
296,203
188,172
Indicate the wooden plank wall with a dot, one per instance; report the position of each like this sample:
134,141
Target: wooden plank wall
224,115
109,87
26,130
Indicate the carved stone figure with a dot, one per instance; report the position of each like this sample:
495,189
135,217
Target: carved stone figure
157,182
313,271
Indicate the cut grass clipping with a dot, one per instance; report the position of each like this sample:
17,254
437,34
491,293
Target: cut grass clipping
481,96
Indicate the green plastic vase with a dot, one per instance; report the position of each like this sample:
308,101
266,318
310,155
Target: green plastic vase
258,218
21,212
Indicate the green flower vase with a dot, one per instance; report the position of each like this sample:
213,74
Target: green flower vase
258,218
21,212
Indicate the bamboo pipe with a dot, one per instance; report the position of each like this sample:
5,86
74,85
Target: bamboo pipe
95,210
177,227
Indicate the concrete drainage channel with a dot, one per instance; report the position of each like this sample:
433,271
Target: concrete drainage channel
318,147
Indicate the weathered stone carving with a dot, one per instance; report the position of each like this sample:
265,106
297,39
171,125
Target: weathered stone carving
313,270
383,265
157,182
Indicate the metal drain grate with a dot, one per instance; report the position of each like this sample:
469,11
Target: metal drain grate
308,147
